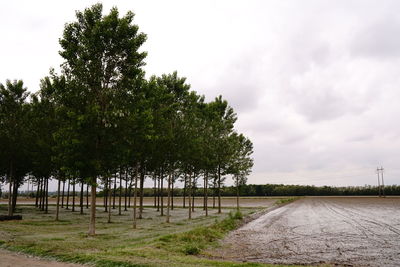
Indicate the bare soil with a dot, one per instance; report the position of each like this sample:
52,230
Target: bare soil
351,231
12,259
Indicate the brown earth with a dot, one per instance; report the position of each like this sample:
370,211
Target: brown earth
12,259
355,231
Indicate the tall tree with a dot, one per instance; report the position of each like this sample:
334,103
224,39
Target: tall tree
102,65
14,137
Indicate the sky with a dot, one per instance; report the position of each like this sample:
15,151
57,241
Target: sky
315,84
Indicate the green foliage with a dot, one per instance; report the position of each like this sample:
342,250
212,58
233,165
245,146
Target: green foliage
195,240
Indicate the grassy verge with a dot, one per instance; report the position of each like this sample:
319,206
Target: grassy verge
154,243
286,200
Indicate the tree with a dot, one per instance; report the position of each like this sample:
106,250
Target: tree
102,65
240,163
14,136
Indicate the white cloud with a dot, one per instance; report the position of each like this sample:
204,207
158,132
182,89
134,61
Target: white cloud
315,83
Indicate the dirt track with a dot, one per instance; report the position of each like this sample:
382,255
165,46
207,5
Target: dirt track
342,230
11,259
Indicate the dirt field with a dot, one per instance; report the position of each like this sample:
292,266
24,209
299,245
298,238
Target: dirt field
343,230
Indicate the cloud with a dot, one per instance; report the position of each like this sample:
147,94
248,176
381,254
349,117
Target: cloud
315,84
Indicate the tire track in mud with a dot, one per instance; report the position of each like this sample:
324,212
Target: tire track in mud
345,231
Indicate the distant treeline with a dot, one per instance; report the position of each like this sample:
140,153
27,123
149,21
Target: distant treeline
288,190
255,190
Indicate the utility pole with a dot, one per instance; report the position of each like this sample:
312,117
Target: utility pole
383,183
379,183
380,171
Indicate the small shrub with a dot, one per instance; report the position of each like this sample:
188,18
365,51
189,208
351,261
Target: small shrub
191,250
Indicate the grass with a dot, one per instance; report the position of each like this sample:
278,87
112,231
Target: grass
153,243
287,200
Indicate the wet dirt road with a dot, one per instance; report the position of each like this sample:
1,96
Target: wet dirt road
356,231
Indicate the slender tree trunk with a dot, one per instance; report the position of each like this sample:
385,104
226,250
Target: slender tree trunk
155,190
87,196
126,190
10,208
73,196
120,194
214,192
92,223
69,183
172,192
135,199
206,193
184,191
14,196
189,197
193,194
158,192
130,192
142,171
219,189
109,197
47,195
169,197
58,199
105,198
237,195
62,195
41,194
114,191
37,193
162,192
81,198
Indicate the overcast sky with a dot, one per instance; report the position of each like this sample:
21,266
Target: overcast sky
316,84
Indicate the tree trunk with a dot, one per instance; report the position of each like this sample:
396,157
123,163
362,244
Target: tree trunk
105,194
172,193
47,196
193,194
130,193
69,183
142,170
109,199
81,198
155,191
58,199
189,197
162,192
126,190
219,189
87,196
41,194
37,193
158,193
214,192
237,196
73,196
169,196
206,193
62,196
92,223
14,196
184,192
115,190
10,208
120,194
135,199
